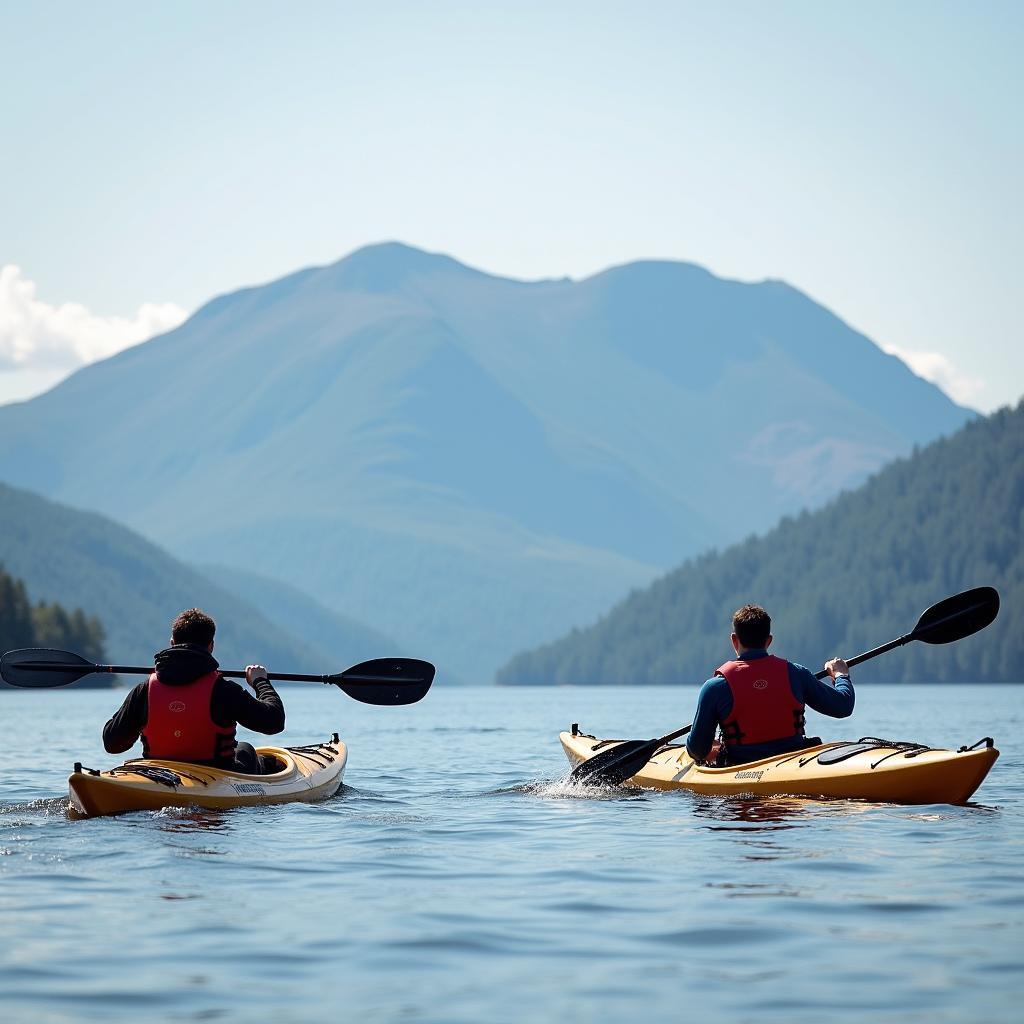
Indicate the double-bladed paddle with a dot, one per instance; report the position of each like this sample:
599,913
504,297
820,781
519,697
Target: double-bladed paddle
380,681
949,620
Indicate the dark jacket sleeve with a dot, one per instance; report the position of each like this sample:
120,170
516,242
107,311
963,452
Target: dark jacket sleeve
231,703
122,731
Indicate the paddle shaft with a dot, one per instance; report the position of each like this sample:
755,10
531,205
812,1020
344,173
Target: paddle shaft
914,634
138,670
669,737
891,645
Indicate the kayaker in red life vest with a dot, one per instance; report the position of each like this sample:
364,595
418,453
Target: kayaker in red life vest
757,701
187,711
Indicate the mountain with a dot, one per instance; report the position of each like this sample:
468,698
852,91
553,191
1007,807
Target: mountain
319,628
473,463
82,559
841,580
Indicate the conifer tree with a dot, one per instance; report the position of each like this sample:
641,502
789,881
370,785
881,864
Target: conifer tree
46,624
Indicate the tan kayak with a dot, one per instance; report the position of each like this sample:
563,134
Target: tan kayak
304,774
868,769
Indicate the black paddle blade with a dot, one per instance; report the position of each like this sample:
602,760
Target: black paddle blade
957,616
386,680
613,766
40,667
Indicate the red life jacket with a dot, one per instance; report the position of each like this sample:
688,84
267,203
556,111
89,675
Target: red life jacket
179,726
763,706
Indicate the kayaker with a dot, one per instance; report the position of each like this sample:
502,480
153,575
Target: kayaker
757,700
187,711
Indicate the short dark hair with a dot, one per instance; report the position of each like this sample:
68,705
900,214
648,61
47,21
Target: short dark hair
752,625
193,626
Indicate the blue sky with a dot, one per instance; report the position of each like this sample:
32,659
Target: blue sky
867,153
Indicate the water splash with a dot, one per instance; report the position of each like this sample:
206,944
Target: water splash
566,789
50,806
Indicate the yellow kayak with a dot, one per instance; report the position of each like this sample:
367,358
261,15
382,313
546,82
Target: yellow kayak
304,774
868,769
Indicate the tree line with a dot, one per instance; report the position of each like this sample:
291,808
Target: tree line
837,581
45,624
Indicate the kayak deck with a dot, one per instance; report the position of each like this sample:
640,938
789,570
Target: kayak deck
307,774
885,771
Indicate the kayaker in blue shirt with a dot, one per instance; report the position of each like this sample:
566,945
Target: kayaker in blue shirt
758,700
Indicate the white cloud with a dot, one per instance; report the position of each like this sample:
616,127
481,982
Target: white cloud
36,337
939,370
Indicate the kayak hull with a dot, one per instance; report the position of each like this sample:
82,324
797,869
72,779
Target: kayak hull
305,774
880,771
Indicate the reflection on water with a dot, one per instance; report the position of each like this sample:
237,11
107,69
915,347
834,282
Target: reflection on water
189,819
760,812
755,890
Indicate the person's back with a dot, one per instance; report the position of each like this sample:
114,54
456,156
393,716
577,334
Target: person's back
187,711
758,700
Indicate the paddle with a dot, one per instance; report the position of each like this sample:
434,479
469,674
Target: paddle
380,681
949,620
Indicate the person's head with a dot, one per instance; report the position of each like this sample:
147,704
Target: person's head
193,627
751,628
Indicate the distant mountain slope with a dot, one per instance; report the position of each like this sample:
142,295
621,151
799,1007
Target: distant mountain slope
470,462
135,589
342,641
841,580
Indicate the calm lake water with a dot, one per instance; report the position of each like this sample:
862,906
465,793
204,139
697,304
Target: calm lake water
451,882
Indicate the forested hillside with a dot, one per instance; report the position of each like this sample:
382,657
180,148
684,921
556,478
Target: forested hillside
43,624
135,589
840,580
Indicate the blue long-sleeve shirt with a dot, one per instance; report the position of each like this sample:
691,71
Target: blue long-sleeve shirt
714,703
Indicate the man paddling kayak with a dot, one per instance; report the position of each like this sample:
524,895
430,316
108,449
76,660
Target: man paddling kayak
187,711
758,700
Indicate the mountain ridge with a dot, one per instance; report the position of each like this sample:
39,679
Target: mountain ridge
472,462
